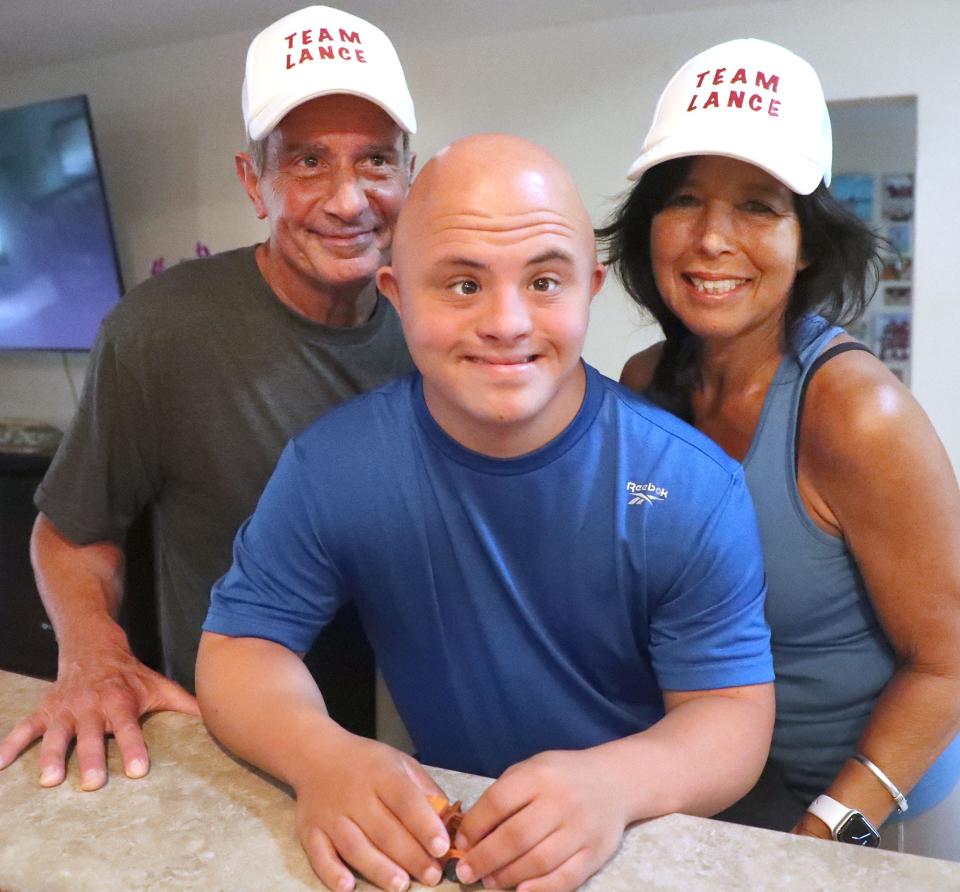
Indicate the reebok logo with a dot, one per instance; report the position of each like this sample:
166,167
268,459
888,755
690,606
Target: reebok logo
645,493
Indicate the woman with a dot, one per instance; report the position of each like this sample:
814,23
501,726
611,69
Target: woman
732,242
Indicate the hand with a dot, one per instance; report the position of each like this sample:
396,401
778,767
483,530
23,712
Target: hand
811,825
104,691
365,803
546,825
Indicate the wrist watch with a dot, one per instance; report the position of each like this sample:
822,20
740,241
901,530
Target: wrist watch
846,824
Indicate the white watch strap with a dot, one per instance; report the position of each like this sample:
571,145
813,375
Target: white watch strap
829,811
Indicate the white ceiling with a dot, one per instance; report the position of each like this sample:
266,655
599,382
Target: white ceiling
37,33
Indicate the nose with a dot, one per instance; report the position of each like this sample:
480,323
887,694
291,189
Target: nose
716,229
347,199
505,316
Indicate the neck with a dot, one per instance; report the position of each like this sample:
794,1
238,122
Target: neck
510,439
738,363
344,306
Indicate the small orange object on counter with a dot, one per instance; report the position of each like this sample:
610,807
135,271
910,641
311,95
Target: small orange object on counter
451,815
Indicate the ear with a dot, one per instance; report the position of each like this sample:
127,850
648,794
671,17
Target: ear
412,168
243,164
388,286
597,278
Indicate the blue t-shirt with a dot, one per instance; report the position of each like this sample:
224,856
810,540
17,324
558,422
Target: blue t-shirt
514,605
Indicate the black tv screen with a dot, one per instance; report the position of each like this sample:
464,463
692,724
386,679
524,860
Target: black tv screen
59,273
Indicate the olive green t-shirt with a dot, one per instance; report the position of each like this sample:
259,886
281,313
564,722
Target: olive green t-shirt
197,380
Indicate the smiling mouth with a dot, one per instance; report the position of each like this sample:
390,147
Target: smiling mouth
345,238
714,287
503,361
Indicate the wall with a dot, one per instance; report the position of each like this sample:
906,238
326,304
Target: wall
168,123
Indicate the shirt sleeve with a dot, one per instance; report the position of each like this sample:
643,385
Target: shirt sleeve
107,467
709,629
282,585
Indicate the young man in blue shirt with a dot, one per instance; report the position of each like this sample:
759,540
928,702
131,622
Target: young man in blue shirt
562,584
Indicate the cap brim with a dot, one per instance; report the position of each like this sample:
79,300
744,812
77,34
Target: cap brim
262,124
799,174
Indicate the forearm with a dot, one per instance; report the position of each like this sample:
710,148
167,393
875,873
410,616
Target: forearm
701,757
260,701
81,587
917,715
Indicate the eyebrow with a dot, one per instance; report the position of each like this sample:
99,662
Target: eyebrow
317,148
545,257
552,254
758,186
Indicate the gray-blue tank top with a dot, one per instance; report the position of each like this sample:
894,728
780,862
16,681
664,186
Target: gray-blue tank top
830,654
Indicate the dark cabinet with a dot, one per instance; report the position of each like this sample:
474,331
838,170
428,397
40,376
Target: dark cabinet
27,642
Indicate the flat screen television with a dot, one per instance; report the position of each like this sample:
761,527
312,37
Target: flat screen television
59,273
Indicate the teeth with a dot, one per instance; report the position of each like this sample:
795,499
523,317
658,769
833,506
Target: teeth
715,286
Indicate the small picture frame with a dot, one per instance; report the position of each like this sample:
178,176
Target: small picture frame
897,197
897,295
892,337
855,192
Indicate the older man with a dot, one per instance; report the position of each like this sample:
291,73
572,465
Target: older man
562,583
200,376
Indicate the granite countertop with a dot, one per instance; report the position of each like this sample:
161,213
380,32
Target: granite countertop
202,820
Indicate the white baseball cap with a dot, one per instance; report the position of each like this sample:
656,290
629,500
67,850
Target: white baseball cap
750,100
317,51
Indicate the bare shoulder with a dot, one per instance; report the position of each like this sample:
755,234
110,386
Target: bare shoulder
638,371
857,413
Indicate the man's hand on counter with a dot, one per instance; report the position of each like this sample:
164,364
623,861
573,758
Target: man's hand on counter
104,691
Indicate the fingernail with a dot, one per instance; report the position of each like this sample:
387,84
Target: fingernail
438,846
465,873
489,883
137,768
431,876
91,780
346,884
3,763
462,842
49,777
400,883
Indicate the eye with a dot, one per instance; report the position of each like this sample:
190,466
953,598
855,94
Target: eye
311,161
681,200
755,206
465,287
545,284
378,160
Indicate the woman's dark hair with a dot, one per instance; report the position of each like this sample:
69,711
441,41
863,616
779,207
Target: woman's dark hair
841,275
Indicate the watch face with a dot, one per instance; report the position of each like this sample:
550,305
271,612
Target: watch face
857,831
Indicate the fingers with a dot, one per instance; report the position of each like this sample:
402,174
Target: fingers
324,861
416,772
511,844
390,834
421,824
91,750
127,732
502,799
357,849
20,737
168,695
570,874
52,763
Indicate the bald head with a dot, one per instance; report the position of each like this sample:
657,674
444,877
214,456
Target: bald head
497,183
493,272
